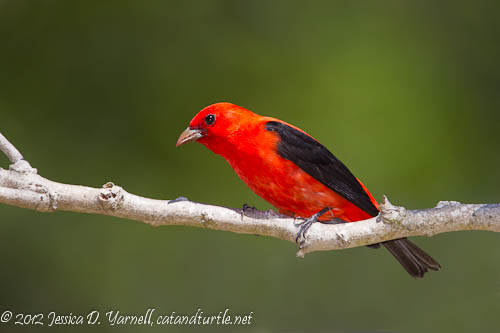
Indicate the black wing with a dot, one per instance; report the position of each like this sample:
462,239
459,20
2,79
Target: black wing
315,159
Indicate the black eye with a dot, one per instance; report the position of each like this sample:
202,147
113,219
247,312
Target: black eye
210,119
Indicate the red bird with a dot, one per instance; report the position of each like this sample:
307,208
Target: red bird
294,172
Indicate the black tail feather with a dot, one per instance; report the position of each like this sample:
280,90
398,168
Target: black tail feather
411,257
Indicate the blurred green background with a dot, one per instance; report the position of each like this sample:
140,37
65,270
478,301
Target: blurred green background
406,93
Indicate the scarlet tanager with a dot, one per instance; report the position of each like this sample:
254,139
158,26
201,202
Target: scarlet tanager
294,172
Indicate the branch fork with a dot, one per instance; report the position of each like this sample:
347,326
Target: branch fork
111,196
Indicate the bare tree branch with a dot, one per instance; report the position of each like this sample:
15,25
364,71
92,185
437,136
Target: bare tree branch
21,186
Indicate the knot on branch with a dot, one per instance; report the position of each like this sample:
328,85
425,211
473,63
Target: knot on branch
111,196
442,204
207,221
22,166
49,198
390,213
301,253
341,239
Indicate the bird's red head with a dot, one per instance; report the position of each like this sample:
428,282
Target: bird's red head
217,125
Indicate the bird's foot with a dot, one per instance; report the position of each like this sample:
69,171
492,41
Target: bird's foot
334,221
249,209
305,225
179,199
253,212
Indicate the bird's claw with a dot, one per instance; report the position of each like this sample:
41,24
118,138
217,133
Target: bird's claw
253,212
305,225
179,199
249,211
301,235
248,208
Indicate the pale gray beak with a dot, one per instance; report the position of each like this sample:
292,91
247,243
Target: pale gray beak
189,135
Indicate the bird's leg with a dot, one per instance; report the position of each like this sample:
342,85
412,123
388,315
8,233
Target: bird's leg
305,225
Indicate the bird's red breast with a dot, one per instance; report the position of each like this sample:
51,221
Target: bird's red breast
273,158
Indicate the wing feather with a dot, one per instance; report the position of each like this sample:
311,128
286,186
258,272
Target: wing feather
315,159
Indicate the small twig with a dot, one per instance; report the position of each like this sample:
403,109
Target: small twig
18,163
